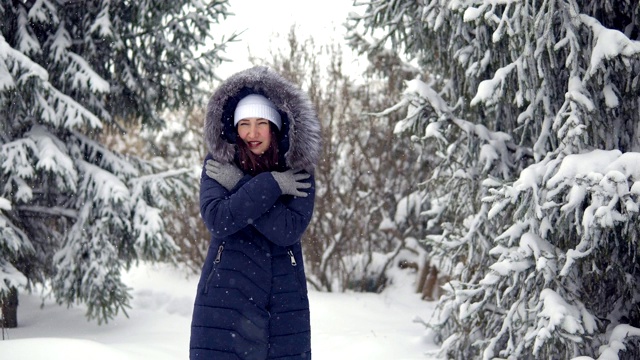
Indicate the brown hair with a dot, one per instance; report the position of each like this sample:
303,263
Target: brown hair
253,164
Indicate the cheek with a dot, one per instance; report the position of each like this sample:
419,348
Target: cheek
242,134
266,136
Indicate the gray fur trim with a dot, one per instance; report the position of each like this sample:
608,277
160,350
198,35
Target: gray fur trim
305,143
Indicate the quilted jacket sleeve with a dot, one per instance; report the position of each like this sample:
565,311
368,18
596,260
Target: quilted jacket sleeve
224,212
288,218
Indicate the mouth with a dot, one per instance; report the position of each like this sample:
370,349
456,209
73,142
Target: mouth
253,144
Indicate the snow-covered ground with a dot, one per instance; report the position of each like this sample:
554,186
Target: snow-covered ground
344,325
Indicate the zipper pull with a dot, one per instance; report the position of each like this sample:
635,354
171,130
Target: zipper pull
217,260
293,258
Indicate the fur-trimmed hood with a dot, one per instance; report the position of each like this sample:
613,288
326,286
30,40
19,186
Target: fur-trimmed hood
300,141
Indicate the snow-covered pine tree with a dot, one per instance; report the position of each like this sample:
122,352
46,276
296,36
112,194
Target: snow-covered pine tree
74,213
535,106
179,144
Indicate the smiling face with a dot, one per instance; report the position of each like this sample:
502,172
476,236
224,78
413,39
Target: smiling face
256,133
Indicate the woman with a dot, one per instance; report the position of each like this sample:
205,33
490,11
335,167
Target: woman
256,198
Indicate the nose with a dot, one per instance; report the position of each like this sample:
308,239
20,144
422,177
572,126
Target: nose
253,131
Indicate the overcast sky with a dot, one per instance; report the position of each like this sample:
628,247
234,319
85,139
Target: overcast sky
268,22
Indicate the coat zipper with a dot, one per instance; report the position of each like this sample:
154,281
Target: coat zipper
293,258
296,273
220,249
213,269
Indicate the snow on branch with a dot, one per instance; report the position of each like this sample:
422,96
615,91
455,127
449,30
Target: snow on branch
43,11
107,159
558,317
578,165
103,187
162,187
52,158
151,241
16,159
75,115
27,42
21,61
610,43
6,80
422,93
617,338
102,24
599,190
54,104
417,96
490,91
83,77
5,204
10,277
58,48
576,92
12,240
154,193
610,178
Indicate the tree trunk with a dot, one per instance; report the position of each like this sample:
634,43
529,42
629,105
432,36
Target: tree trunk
9,306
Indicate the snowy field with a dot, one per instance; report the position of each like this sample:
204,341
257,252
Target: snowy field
344,326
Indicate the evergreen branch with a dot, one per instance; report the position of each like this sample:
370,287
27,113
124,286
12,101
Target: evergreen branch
49,211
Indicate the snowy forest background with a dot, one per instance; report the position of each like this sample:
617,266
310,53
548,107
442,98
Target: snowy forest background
493,144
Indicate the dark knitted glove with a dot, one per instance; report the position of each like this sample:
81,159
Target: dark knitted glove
227,175
290,182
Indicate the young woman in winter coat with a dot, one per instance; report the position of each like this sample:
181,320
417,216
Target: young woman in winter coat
256,198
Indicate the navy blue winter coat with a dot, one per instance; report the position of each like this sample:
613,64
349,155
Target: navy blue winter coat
251,300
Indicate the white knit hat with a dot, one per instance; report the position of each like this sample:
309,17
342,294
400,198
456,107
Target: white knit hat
258,106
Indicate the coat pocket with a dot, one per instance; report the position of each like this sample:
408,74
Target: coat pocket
214,268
